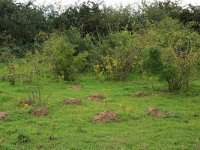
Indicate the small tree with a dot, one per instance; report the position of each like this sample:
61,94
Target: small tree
175,53
119,56
29,73
61,58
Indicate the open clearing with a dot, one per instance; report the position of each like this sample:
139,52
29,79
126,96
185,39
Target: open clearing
71,126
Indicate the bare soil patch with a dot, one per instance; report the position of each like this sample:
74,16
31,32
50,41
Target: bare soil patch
140,94
75,87
96,96
73,101
40,112
3,115
153,111
105,117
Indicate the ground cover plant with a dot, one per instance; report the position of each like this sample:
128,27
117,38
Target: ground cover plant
136,129
95,77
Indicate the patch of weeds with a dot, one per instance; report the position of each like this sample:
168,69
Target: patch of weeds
79,124
197,144
1,142
126,94
5,97
21,90
174,115
52,136
40,146
127,111
27,108
22,137
126,147
1,92
107,99
128,91
191,93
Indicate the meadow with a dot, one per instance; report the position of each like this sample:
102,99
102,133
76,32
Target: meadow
71,126
95,77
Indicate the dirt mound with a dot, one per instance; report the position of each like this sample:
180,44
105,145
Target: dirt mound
153,111
73,101
96,96
141,94
105,117
26,102
40,112
75,87
3,115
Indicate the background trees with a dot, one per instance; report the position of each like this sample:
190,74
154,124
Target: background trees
161,38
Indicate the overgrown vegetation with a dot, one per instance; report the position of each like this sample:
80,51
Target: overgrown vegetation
113,42
142,57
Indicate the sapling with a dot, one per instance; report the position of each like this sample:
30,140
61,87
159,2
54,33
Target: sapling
79,124
107,99
52,135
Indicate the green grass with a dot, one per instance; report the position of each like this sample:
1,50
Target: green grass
179,131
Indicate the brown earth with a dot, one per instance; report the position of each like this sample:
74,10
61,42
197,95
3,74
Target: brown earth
141,94
105,117
40,112
73,101
3,116
75,87
153,111
96,96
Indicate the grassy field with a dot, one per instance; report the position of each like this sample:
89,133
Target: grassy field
136,130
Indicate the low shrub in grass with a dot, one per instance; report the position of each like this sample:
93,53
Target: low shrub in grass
61,57
174,55
119,56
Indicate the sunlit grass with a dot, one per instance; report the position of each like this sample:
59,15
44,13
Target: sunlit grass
136,130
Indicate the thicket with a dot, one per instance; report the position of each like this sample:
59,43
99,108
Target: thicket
161,38
63,60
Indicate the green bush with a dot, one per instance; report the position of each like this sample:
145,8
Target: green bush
29,72
22,137
153,63
5,54
175,54
61,59
119,56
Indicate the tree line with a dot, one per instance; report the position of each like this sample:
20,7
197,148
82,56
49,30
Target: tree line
160,38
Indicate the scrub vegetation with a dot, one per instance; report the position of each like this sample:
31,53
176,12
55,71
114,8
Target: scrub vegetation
91,76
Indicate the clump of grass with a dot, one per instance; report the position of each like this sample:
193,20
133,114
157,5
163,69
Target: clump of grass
79,124
22,137
127,110
53,135
1,142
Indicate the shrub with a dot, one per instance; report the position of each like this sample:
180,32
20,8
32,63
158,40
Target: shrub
5,54
29,73
11,73
23,137
153,63
178,70
111,68
61,58
175,54
81,44
119,56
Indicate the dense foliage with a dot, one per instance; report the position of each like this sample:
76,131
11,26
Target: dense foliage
161,38
119,56
61,59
